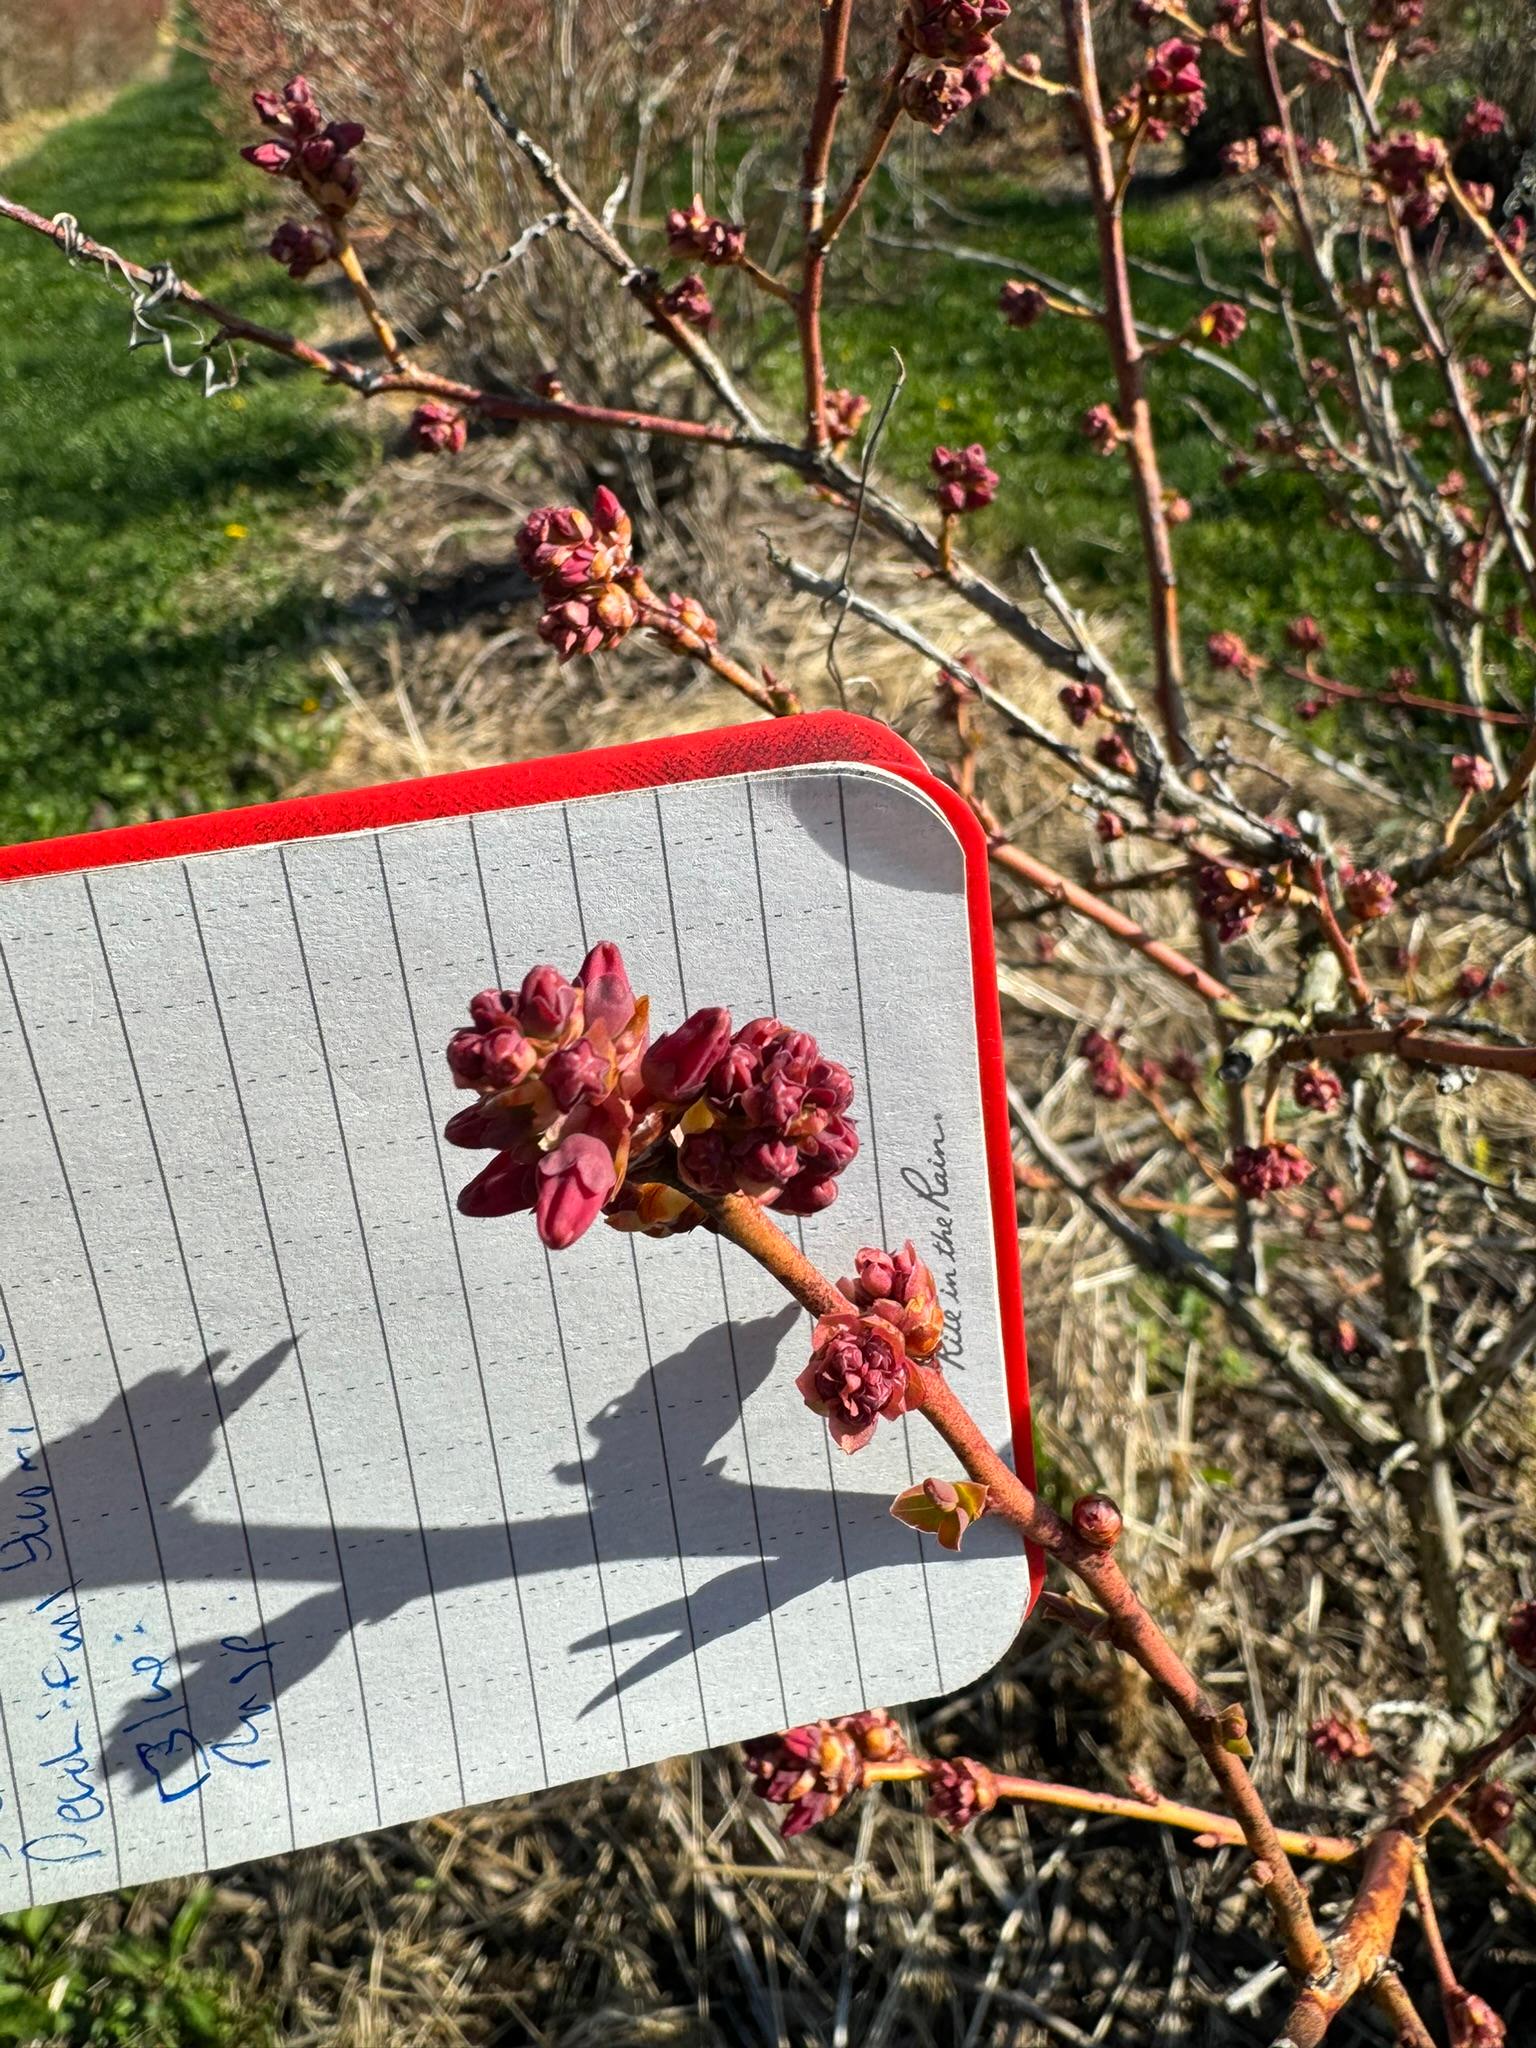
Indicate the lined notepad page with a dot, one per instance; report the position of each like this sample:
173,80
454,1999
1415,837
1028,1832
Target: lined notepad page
324,1507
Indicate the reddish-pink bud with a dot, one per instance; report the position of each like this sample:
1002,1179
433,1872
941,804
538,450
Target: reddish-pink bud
607,997
505,1187
1260,1170
301,250
810,1770
1470,772
812,1190
679,1063
275,158
506,1057
960,1792
439,429
1097,1521
1341,1741
1491,1809
1368,892
547,1002
1223,322
1080,701
1317,1087
1021,305
858,1372
574,1181
578,1073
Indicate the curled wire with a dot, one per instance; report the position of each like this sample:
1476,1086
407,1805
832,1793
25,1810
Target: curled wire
148,300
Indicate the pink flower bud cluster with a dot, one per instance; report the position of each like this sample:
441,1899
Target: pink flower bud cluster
301,250
1231,897
1080,701
1305,635
960,1792
965,482
577,1106
1484,118
1111,750
593,589
1223,322
858,1372
959,34
689,302
1471,773
1317,1087
900,1289
844,412
1368,892
1171,92
767,1110
556,1067
1020,304
1260,1170
814,1769
1102,429
1249,153
953,29
1491,1809
438,429
1341,1741
307,147
1407,165
1473,2022
693,232
1107,1075
1229,651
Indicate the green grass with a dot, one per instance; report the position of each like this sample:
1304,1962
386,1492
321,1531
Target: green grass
64,1979
150,661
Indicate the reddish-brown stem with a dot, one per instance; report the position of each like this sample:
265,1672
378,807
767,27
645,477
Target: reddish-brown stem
1126,354
1519,1885
1086,904
1407,700
1168,1813
747,1224
1483,227
1217,1734
233,326
1476,1767
1132,1629
766,281
777,701
1477,833
1359,1951
1429,1921
1399,2009
879,139
1340,946
831,89
1416,1047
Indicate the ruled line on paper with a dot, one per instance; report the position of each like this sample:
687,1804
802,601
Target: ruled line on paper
486,1517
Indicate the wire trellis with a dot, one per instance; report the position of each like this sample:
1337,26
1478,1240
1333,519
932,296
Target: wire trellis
151,324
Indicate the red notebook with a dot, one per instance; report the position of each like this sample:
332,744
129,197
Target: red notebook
326,1507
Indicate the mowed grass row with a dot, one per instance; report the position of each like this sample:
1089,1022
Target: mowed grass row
154,609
